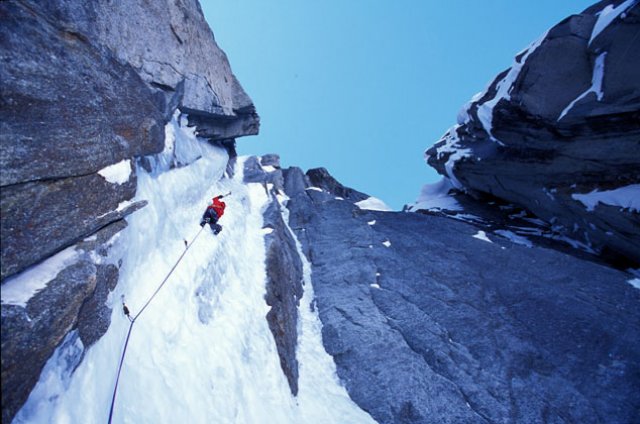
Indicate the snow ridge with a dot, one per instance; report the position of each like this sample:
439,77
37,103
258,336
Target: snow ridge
596,84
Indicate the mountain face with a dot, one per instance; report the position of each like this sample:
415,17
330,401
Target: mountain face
558,133
309,306
428,319
87,90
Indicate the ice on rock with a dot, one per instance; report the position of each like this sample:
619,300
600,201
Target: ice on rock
202,351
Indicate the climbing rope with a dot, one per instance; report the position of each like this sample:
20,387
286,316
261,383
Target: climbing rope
135,317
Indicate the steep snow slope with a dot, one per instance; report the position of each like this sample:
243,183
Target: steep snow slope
202,351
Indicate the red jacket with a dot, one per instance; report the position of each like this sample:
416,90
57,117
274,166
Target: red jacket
218,206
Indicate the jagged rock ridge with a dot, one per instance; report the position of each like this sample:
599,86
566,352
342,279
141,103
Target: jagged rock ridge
560,124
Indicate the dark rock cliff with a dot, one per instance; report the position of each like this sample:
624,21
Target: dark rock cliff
284,268
429,324
562,122
87,88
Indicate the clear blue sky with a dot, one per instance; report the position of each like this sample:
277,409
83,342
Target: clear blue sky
363,87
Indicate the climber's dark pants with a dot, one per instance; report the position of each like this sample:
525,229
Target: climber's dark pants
211,216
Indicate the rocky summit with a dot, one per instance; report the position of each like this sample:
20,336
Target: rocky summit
558,132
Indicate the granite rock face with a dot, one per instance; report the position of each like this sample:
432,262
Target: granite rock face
68,110
87,89
560,123
76,298
428,324
170,45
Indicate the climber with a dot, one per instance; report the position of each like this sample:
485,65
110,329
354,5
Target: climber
213,213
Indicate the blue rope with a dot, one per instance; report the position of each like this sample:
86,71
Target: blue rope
133,321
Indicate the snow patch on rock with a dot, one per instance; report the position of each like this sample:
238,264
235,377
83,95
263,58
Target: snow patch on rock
607,15
627,197
596,84
436,197
17,290
373,204
481,235
118,173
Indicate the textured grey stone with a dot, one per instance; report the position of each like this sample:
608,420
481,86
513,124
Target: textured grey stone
254,173
284,290
172,48
31,334
595,146
462,330
295,181
270,159
41,218
74,299
86,84
68,108
94,317
320,177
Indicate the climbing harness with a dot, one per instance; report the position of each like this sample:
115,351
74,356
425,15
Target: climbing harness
133,319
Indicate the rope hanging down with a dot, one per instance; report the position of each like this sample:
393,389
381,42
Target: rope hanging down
135,317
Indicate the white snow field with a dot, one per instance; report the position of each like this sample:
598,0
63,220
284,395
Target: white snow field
202,352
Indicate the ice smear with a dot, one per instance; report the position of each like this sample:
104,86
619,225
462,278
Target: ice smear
118,173
481,235
373,204
635,282
627,197
314,188
18,289
596,84
436,197
607,15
